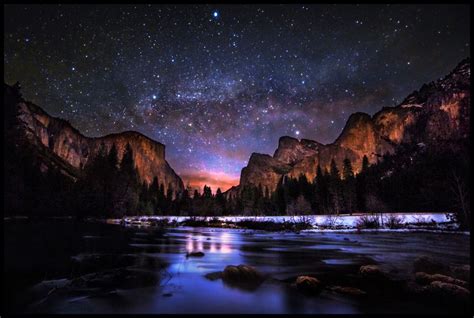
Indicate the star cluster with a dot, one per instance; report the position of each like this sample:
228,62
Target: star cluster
216,83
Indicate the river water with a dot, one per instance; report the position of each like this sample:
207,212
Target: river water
40,256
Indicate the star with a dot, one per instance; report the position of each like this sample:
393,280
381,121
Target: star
185,78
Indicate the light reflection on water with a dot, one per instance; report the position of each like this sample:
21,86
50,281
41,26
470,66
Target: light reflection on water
199,243
282,256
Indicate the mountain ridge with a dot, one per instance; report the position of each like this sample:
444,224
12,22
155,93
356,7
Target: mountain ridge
67,143
437,113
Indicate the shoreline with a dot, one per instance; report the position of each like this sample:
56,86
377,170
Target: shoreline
357,223
412,222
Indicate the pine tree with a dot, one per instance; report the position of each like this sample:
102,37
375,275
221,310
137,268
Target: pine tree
335,188
279,198
129,183
220,205
361,185
349,190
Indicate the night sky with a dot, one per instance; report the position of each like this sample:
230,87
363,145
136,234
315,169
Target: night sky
216,83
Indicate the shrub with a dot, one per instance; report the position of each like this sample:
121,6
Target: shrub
331,221
368,222
394,221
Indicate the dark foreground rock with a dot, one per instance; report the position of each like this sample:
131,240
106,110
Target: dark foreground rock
242,276
425,279
308,284
371,272
447,292
241,273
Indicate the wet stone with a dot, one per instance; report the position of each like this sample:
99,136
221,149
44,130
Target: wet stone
425,279
308,284
214,276
241,273
195,254
447,292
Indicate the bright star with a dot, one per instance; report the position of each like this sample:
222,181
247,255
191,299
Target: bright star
154,96
215,14
297,132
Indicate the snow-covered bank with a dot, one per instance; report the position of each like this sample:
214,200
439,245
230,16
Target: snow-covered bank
403,221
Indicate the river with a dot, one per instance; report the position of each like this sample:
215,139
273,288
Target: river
40,256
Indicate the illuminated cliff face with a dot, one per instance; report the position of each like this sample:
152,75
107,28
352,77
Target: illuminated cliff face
70,145
436,115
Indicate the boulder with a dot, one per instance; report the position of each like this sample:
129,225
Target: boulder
349,291
429,265
241,274
371,272
425,279
447,292
308,284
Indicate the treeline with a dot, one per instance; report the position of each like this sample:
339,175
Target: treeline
331,192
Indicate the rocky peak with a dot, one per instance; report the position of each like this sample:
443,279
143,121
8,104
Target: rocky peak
290,150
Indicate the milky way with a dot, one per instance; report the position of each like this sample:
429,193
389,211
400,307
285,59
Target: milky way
216,83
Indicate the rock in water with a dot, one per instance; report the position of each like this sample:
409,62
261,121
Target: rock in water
195,254
241,274
308,284
447,292
213,276
371,272
424,279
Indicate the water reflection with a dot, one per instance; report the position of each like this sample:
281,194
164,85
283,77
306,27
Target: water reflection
196,242
281,256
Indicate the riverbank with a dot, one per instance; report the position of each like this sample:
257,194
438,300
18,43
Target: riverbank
401,222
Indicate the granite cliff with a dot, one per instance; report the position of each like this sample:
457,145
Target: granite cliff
437,115
64,147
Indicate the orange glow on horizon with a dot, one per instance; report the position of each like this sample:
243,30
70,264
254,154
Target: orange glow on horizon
212,179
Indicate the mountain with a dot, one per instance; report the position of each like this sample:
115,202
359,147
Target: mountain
436,116
58,144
